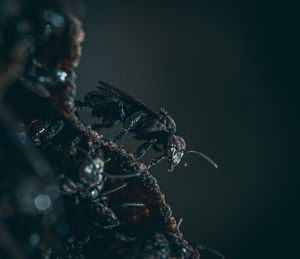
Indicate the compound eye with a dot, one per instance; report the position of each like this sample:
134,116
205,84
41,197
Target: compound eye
177,156
171,152
176,159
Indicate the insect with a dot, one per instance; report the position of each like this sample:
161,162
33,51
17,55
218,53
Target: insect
98,184
115,106
43,131
87,187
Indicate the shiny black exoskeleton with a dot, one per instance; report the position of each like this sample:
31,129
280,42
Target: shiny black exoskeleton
86,187
114,106
43,131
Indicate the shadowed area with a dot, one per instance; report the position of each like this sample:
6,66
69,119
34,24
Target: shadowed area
226,73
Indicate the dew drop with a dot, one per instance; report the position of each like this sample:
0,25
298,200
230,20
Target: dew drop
34,239
42,202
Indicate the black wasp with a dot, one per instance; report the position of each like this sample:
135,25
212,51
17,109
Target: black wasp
43,131
86,189
115,106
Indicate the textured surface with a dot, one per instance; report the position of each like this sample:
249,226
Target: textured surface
50,205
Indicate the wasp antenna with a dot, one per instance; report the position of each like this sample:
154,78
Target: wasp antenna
203,156
125,176
202,247
129,204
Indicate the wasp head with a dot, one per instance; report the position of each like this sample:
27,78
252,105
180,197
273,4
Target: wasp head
175,150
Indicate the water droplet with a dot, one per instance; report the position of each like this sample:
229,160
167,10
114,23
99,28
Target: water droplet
48,79
42,202
61,75
57,20
34,239
42,79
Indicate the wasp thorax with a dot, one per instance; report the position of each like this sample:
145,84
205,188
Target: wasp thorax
91,171
167,121
170,124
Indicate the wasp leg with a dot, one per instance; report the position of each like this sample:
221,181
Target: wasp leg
115,234
124,238
125,176
130,204
69,186
129,124
54,130
113,190
143,148
156,161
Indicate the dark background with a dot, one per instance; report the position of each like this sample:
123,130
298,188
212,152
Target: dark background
227,72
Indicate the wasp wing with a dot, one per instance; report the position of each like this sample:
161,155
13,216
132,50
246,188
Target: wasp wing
127,98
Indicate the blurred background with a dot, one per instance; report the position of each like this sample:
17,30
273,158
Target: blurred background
227,73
